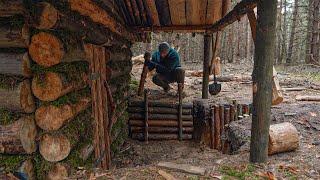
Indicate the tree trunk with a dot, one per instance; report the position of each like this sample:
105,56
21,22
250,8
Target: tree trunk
284,33
293,32
279,33
315,33
206,64
19,137
47,49
262,79
15,64
282,138
19,98
11,7
14,36
50,86
51,118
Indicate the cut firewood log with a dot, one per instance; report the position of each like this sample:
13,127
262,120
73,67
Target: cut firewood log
161,130
52,118
283,137
159,110
19,137
11,7
307,98
15,64
55,147
50,86
161,123
47,49
14,36
27,168
58,172
19,98
140,136
160,116
232,78
277,96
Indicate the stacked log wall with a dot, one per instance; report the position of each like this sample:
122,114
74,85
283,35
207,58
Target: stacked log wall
44,78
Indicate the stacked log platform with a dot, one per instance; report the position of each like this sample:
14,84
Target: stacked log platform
162,120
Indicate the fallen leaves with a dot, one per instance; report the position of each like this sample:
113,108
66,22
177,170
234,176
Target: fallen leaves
291,169
267,175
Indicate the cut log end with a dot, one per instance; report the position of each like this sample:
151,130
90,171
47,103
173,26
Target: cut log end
26,97
59,171
54,148
283,137
48,87
28,134
26,65
52,118
46,49
46,17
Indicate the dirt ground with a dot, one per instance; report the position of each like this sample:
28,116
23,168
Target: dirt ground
138,160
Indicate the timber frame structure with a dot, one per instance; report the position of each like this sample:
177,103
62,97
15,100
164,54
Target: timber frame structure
104,30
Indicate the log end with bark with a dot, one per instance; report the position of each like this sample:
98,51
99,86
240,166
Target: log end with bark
46,49
26,97
52,118
46,16
54,148
19,137
27,168
50,86
59,171
283,137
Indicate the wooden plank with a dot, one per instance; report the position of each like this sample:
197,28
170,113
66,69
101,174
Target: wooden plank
143,13
196,12
183,168
178,12
152,11
164,12
136,12
214,11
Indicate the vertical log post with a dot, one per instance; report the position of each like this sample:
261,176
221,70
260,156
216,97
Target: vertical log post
239,111
147,56
206,64
146,117
235,104
232,112
216,127
180,86
221,114
211,124
262,79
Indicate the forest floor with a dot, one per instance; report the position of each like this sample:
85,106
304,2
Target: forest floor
139,160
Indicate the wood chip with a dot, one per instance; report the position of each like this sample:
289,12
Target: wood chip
186,168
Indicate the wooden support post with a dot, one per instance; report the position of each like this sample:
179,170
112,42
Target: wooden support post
262,79
146,113
211,124
226,115
239,111
235,104
206,64
180,89
216,127
144,73
232,113
253,23
221,114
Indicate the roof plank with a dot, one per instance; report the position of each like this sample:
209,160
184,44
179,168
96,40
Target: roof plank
196,11
178,12
164,12
214,11
151,8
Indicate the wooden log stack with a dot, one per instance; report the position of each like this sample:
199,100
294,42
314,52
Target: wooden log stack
210,122
158,120
47,89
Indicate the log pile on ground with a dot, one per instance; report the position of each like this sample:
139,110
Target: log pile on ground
45,114
162,122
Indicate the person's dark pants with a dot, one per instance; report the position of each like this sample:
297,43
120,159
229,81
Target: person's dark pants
163,80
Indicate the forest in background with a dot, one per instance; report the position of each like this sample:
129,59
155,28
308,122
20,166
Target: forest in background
297,42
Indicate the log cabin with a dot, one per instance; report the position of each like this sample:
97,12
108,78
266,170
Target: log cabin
66,66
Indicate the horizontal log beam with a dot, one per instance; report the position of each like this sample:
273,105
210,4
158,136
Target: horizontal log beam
161,130
160,116
160,123
11,7
159,110
140,136
135,103
12,63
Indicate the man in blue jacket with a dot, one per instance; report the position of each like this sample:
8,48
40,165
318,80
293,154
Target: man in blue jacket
166,61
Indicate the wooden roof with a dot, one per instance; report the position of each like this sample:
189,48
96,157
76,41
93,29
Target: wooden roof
171,15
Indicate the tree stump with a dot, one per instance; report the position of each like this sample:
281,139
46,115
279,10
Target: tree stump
19,137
